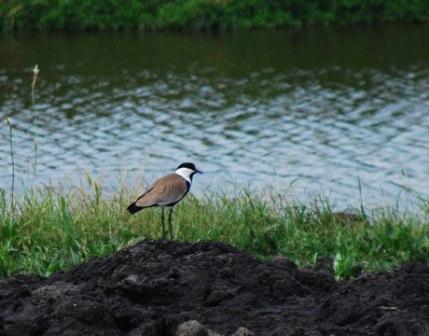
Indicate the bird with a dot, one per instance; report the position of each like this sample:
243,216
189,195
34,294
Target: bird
167,192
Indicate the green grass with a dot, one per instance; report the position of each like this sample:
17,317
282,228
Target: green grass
75,15
53,229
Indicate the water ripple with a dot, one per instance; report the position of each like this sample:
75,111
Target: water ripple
273,120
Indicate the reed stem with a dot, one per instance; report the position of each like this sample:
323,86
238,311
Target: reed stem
9,122
33,83
36,71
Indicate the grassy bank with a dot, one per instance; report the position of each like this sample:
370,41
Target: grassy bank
53,229
35,15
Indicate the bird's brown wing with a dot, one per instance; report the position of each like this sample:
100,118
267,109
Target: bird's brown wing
167,190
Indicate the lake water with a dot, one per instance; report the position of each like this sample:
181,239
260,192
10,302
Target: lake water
318,109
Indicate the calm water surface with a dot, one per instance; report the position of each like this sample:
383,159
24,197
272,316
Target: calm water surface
318,109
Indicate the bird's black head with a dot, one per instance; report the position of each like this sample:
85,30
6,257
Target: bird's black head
188,165
188,174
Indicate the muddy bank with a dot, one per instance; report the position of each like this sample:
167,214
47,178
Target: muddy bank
153,287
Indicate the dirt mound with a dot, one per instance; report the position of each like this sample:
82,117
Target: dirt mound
153,287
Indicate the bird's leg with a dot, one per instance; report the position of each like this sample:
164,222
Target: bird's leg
162,221
169,223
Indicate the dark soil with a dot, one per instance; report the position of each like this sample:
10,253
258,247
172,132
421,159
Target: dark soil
151,288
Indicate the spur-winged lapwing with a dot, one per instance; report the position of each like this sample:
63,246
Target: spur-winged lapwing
166,192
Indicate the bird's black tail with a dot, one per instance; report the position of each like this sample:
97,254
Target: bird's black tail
133,208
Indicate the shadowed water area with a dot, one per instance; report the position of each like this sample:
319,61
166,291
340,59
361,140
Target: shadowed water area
318,109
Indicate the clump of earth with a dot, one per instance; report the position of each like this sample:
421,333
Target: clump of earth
174,288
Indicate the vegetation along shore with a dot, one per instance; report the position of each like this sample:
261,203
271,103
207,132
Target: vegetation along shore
52,228
205,15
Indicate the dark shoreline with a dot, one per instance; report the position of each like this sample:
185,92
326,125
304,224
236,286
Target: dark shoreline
203,15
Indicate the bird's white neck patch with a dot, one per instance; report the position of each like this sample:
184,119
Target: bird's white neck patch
185,173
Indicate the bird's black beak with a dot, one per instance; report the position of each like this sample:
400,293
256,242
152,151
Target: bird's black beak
198,171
